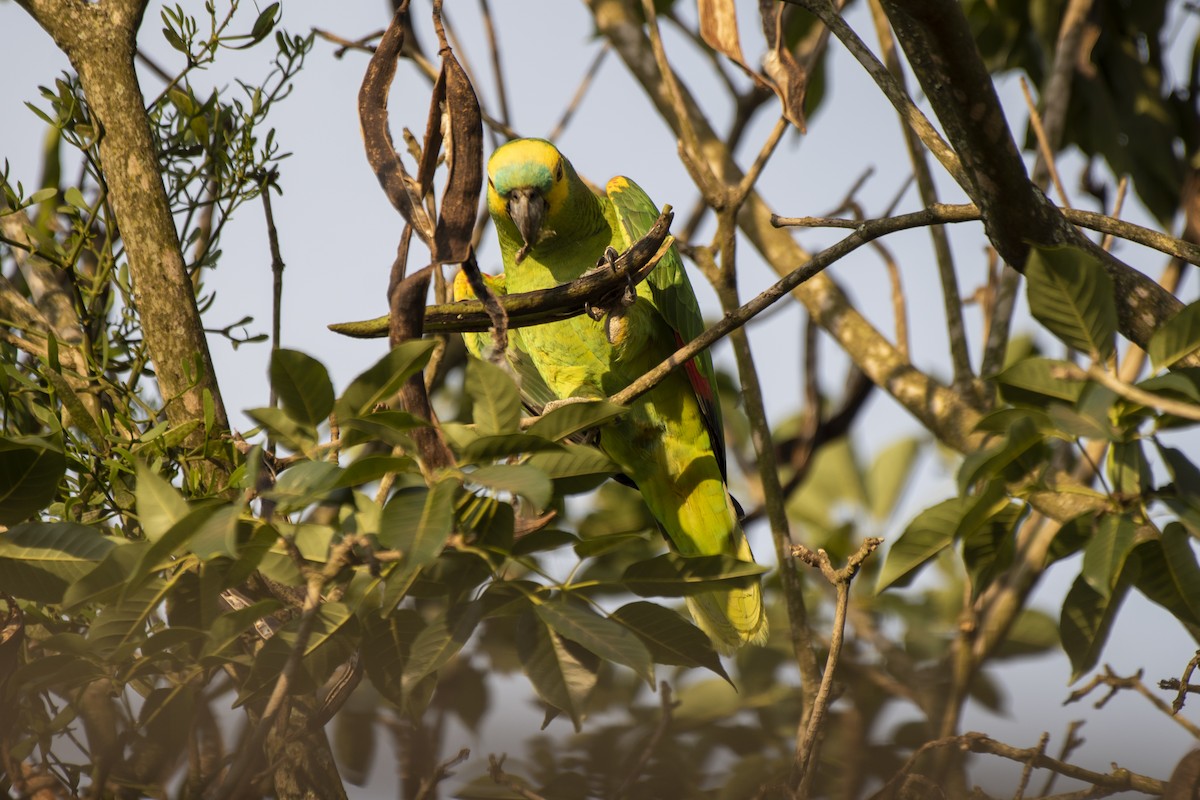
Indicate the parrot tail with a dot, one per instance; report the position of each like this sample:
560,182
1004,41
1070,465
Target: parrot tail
734,617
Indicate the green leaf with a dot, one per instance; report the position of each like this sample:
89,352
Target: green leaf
31,467
369,469
669,637
500,446
1106,552
159,504
543,540
38,560
108,577
1071,293
574,417
419,522
387,641
1033,633
931,532
1170,575
674,575
518,479
604,637
889,473
1087,618
494,396
227,629
1176,338
329,645
389,427
123,627
1128,469
561,673
1012,457
285,429
383,379
1031,381
574,468
304,484
302,385
1184,474
437,643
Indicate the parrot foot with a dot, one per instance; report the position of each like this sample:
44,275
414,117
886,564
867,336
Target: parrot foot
614,304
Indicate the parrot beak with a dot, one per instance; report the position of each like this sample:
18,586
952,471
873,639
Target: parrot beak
526,208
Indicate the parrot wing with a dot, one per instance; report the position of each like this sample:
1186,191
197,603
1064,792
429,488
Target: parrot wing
673,297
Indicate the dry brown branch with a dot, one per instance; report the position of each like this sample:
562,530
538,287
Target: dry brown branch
841,580
1027,770
1118,780
968,212
951,296
534,308
1116,683
1183,685
234,782
442,771
1070,742
1045,151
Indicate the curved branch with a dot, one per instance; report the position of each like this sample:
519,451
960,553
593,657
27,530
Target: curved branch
547,305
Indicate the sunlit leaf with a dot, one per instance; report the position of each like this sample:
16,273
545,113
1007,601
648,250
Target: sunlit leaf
1105,554
1071,293
383,379
931,532
574,417
522,480
494,396
1176,338
302,384
38,560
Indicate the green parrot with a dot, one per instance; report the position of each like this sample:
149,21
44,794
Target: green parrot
552,228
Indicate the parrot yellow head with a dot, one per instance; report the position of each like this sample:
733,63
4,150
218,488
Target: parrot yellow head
527,186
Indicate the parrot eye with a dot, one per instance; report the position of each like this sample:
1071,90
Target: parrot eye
558,172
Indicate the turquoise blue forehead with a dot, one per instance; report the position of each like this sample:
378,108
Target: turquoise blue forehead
524,174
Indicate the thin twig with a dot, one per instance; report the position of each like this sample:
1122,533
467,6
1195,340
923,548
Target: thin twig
580,92
1119,779
969,212
841,580
1184,683
1115,683
1068,746
440,773
891,88
960,356
238,775
1046,153
1027,770
1130,392
496,771
646,750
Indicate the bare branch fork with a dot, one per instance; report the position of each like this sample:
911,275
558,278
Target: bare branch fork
840,579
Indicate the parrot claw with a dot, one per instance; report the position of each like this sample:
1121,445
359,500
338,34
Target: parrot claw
614,304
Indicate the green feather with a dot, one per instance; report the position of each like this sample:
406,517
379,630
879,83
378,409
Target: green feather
670,444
